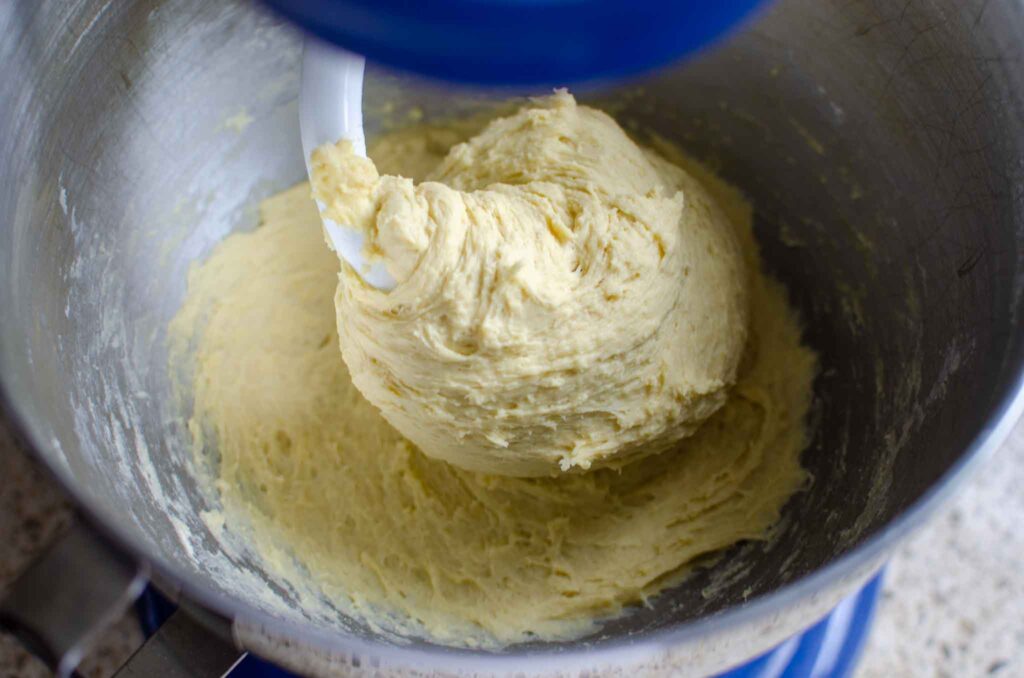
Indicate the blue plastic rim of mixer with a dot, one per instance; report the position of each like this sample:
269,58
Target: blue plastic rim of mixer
520,42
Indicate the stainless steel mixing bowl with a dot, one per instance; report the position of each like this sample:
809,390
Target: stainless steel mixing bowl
882,144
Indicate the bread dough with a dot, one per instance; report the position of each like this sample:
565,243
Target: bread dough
564,299
413,545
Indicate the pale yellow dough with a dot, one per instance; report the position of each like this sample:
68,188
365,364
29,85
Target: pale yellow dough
565,299
415,545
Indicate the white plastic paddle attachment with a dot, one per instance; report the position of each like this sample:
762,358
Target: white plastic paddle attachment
331,108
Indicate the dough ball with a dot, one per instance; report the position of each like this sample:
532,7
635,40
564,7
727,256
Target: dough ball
565,299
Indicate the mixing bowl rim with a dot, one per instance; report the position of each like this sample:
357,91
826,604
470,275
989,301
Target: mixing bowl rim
985,442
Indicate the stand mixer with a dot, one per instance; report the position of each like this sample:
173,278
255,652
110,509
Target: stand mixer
880,144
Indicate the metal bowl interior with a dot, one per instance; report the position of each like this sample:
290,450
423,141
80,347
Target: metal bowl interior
881,146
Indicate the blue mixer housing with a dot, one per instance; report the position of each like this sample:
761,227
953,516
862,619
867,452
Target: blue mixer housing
519,42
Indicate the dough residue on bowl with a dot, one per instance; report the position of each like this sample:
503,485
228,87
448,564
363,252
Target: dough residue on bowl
421,547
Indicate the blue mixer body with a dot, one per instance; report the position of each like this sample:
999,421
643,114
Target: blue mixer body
520,42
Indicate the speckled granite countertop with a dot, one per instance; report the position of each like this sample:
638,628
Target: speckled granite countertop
953,603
